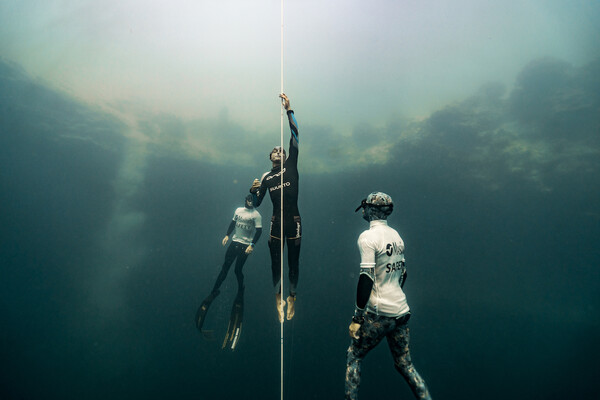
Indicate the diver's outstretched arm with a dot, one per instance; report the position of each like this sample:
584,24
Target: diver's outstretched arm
294,137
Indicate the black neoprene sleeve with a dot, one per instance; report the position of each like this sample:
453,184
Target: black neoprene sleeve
257,235
230,229
363,291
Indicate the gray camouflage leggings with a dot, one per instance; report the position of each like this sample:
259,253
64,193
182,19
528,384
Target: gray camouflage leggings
372,331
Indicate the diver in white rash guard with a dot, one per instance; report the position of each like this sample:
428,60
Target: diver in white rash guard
247,228
381,307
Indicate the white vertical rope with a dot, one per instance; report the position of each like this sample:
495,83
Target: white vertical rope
281,213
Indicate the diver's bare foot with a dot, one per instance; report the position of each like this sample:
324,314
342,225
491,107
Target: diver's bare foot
291,310
280,306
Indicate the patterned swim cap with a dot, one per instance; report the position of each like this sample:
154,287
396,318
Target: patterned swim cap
379,199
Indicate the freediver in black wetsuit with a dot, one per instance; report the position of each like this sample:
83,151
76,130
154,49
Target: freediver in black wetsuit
247,223
292,227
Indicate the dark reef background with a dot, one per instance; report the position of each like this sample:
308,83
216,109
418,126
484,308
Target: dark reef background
496,197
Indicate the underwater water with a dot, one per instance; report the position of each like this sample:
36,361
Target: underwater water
108,246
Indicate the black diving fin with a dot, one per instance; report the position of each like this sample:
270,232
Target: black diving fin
203,310
234,330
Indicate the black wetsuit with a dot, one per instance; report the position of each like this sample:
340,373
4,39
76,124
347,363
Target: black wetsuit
292,227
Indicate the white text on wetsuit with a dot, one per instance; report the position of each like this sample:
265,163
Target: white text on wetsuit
285,184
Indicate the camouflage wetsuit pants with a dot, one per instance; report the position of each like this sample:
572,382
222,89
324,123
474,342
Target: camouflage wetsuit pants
373,330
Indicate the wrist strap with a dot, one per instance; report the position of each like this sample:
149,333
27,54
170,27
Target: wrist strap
359,316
